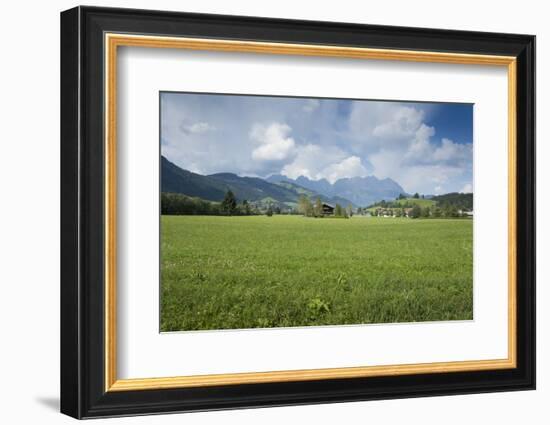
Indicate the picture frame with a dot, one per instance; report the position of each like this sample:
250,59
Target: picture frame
90,40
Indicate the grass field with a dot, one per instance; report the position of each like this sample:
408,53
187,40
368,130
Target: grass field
257,271
416,201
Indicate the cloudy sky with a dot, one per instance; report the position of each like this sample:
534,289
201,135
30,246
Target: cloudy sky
425,147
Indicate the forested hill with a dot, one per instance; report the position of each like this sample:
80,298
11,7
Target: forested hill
462,201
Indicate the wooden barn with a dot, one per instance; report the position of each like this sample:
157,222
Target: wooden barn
328,209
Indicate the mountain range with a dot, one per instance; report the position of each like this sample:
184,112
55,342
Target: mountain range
361,191
278,189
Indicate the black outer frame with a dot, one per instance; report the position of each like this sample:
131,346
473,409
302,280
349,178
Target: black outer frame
82,212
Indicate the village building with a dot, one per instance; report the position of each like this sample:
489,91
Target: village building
328,209
392,212
384,212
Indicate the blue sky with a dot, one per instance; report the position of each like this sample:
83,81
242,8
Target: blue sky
425,147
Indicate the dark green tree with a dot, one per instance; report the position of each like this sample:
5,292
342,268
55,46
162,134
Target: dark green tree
454,211
318,208
304,206
246,207
229,203
415,212
416,195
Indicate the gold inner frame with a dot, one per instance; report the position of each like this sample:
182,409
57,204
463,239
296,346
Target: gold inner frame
113,41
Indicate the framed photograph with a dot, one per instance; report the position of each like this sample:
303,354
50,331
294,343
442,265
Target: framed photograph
261,212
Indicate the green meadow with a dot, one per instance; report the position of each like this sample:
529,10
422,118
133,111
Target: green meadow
288,270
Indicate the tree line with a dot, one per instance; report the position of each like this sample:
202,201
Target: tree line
434,211
178,204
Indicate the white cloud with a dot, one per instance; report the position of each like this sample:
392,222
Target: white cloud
421,151
196,128
468,188
309,160
311,105
275,145
316,162
377,125
349,167
403,148
419,147
402,122
453,153
420,165
385,162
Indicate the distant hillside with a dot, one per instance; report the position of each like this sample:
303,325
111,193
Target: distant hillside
361,191
313,194
403,203
213,187
177,180
415,201
253,188
462,201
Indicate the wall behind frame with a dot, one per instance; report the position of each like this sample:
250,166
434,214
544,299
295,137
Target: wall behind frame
29,217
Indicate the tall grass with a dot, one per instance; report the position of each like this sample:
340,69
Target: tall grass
280,271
